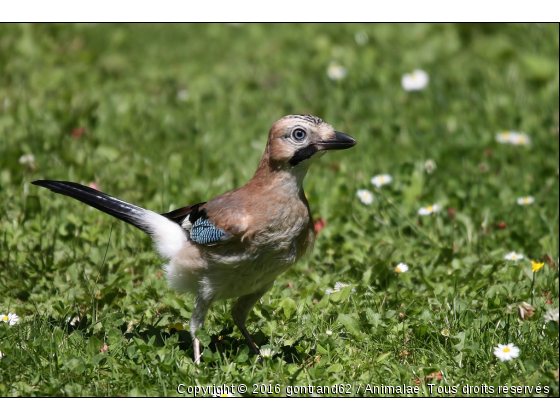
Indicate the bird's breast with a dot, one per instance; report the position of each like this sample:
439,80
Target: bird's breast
241,270
272,242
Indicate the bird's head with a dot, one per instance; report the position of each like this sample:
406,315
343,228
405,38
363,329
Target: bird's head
296,139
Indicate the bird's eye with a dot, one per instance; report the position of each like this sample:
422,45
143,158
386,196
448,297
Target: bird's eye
299,134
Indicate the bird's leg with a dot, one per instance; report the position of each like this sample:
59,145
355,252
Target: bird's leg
241,310
201,306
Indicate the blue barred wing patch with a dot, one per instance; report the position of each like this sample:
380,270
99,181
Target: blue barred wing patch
204,232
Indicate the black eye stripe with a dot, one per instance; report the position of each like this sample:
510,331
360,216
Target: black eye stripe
303,154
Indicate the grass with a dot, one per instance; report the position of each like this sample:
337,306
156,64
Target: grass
168,115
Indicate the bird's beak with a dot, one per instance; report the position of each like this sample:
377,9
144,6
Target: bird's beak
338,142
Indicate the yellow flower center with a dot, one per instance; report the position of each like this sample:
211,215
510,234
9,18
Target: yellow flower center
526,200
505,133
224,395
430,208
335,291
5,319
507,350
513,256
398,270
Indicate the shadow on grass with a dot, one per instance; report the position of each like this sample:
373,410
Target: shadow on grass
223,343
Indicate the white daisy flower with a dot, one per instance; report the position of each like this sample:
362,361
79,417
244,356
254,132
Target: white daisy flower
335,71
520,139
380,180
266,352
503,137
10,319
506,352
513,256
338,286
426,211
2,354
28,159
365,196
328,332
330,291
430,166
401,268
526,201
182,95
361,38
513,137
551,315
417,80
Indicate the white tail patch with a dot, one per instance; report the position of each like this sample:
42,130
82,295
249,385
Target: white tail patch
168,236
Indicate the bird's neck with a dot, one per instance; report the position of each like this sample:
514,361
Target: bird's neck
280,176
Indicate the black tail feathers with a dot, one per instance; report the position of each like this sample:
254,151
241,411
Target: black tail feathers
120,209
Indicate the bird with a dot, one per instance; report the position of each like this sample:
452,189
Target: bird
236,244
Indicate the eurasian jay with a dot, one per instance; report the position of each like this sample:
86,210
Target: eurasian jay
236,244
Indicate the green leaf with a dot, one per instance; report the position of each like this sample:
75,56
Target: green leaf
203,336
342,294
530,365
322,303
366,276
131,351
413,191
551,329
94,345
352,325
114,335
373,318
321,349
461,337
207,355
99,358
383,357
337,367
59,307
460,305
108,152
289,307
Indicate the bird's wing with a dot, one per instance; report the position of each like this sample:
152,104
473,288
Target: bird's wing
195,220
204,232
179,215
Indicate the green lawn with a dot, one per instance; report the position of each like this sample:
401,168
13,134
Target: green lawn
169,115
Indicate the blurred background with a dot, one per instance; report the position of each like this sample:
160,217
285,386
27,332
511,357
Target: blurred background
187,102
